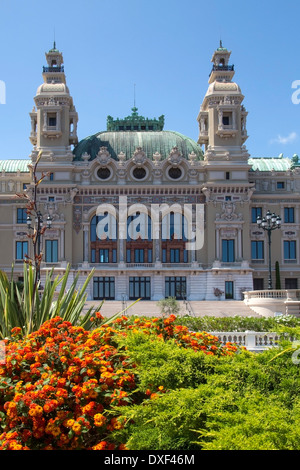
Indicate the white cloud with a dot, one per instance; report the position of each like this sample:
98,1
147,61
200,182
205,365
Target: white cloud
285,140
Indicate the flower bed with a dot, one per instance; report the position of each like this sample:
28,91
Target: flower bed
61,386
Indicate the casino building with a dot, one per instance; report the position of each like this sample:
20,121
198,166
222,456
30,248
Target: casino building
137,165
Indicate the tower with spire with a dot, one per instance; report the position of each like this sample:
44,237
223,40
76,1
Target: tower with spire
54,117
222,116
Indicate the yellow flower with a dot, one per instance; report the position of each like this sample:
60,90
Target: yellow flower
70,423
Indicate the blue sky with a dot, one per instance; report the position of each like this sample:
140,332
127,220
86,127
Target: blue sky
162,46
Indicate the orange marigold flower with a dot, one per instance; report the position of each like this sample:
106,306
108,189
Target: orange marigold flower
100,446
76,428
99,420
69,423
62,392
122,447
153,396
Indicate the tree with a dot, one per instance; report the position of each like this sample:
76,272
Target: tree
169,306
277,272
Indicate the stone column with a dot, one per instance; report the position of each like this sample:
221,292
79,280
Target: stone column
217,243
121,243
233,119
44,120
220,119
85,243
58,120
239,247
62,244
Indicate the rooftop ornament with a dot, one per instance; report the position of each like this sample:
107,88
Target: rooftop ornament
135,122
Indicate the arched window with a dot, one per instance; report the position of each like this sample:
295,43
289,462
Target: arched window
139,244
174,227
139,227
103,227
174,237
103,239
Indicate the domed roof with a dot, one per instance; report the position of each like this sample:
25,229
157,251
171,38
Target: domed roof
52,88
128,141
218,86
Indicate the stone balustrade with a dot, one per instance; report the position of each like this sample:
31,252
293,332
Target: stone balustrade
274,301
252,340
287,294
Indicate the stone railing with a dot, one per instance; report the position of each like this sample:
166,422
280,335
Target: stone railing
287,294
251,340
274,301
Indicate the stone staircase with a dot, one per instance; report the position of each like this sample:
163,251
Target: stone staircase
217,308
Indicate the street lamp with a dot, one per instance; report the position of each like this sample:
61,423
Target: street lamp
269,223
39,229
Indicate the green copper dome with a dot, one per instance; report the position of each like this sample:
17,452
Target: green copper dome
135,131
128,141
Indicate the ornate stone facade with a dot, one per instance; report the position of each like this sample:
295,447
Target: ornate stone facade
153,183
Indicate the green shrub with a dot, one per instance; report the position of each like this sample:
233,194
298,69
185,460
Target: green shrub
237,323
246,401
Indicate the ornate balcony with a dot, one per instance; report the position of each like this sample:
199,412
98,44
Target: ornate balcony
222,68
53,69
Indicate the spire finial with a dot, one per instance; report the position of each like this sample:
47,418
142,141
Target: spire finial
221,45
134,95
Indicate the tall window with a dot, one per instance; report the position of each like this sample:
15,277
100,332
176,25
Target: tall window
291,283
139,243
228,255
139,288
139,227
257,250
52,120
104,288
258,283
51,251
174,238
289,215
21,250
138,255
175,255
104,256
103,239
289,250
174,226
255,212
229,290
175,286
21,215
107,227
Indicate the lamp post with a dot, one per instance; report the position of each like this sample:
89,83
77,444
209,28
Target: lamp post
38,229
269,223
